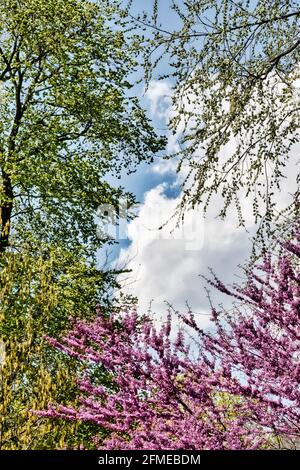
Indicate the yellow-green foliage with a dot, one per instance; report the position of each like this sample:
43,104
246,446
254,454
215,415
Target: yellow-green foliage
38,295
23,388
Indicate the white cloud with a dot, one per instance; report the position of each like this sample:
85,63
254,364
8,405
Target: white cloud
166,262
159,94
166,266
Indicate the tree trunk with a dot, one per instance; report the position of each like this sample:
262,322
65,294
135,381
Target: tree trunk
6,211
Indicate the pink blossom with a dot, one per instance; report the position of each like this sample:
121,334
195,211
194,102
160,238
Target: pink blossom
240,392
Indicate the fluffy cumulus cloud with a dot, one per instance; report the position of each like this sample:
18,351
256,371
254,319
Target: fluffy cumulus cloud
166,259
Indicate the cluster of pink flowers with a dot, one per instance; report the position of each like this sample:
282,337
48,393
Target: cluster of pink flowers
235,386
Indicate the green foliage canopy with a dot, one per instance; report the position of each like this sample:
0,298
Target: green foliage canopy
67,118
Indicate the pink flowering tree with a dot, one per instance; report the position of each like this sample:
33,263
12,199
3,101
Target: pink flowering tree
235,386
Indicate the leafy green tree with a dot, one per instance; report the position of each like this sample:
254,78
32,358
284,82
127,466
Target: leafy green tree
67,118
235,71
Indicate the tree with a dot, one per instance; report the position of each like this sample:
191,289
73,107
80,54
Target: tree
235,78
68,121
38,295
235,387
67,118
